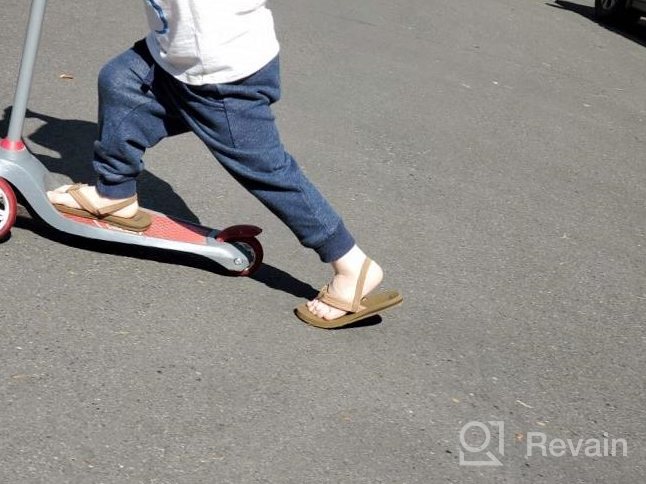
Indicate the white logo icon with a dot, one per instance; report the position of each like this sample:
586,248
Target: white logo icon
491,460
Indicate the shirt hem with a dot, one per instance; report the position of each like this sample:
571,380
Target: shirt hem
214,78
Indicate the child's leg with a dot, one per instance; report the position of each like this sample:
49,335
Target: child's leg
236,123
132,118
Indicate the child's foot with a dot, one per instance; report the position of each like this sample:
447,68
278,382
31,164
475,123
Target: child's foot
60,197
346,274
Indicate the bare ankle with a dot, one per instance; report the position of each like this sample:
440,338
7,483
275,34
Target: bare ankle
350,263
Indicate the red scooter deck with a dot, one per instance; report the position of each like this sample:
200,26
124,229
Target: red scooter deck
162,227
176,230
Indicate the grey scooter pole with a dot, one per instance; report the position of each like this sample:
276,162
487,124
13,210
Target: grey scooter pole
25,76
235,248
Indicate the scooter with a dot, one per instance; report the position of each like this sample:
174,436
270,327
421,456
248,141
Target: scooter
236,248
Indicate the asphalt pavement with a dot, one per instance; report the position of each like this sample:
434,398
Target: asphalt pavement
490,155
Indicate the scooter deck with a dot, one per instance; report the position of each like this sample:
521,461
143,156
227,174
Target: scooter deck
162,227
170,232
28,176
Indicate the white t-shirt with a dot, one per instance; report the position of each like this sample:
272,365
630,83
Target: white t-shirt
210,41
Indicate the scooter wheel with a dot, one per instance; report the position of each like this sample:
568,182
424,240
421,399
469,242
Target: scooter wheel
8,208
252,248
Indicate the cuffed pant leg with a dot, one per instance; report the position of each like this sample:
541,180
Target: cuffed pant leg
131,119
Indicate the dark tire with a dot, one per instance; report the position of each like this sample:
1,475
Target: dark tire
8,208
252,247
615,12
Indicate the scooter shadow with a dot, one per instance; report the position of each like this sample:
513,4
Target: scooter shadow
73,140
268,275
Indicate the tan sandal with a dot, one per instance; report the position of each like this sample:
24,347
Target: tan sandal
139,223
360,308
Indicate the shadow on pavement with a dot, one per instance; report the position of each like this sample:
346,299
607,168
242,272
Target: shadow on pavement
371,321
73,140
632,31
268,275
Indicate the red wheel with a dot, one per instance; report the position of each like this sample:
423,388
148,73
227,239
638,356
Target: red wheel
8,208
253,250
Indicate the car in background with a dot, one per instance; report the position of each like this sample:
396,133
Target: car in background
619,11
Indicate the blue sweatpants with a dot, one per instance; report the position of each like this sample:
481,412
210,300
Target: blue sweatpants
140,104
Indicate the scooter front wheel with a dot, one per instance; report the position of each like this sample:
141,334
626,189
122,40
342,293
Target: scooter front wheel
8,208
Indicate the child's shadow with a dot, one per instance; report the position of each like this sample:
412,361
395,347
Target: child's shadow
73,140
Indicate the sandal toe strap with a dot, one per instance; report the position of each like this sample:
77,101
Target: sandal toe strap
88,206
75,192
325,297
108,209
355,304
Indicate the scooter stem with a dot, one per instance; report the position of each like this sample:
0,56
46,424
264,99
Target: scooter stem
19,108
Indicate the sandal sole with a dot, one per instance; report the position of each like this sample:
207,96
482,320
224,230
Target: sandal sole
373,304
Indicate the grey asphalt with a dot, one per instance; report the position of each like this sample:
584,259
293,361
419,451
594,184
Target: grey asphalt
490,155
